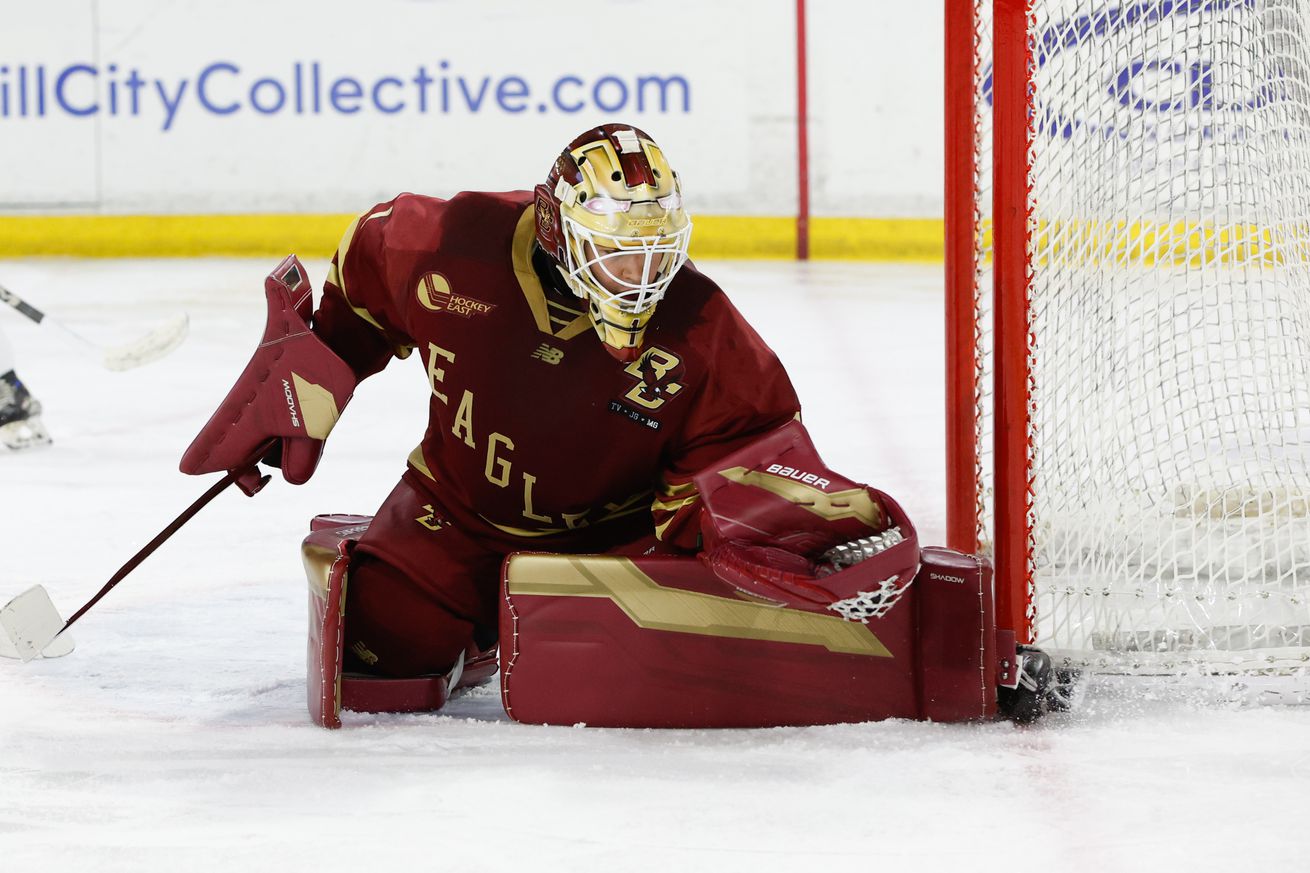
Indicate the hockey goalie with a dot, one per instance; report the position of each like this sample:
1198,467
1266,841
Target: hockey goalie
614,494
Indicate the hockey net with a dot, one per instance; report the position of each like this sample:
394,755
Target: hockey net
1150,506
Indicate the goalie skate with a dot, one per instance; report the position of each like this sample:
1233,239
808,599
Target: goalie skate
1038,687
20,417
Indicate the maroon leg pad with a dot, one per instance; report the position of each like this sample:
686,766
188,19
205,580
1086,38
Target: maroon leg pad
326,555
401,629
378,694
328,551
418,694
956,637
662,642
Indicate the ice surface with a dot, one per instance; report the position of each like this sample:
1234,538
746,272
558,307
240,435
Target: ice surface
176,738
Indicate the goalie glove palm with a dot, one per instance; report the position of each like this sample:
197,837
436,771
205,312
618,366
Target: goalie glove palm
293,390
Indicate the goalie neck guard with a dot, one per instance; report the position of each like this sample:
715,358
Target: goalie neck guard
610,216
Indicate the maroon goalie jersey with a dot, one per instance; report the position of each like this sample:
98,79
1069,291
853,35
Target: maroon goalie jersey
537,438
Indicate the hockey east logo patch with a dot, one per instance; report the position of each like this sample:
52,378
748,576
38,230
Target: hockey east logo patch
434,294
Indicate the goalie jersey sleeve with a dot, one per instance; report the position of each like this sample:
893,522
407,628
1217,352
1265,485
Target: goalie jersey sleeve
745,394
359,316
537,438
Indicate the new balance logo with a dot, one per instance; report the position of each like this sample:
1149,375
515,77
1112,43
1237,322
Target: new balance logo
549,354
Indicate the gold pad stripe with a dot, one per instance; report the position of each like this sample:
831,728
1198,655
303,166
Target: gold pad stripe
336,272
851,503
318,561
654,607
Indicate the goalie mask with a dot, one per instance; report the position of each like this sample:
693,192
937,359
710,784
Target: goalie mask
610,216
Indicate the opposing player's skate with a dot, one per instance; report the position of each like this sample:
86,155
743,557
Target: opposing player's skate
20,416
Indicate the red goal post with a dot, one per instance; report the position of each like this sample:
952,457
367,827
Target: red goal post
972,261
1128,365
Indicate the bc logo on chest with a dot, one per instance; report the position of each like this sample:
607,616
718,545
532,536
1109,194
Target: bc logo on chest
434,294
655,371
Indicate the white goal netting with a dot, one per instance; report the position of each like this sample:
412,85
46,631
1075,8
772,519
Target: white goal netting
1170,311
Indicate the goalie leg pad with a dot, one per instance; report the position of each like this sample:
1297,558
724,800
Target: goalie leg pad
958,655
326,554
417,693
662,642
395,628
332,560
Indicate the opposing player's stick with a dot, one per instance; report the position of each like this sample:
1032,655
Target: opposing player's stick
150,347
30,621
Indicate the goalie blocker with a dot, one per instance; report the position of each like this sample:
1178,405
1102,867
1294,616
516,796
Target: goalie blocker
289,396
812,604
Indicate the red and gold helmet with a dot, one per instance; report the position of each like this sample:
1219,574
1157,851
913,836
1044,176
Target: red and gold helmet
610,215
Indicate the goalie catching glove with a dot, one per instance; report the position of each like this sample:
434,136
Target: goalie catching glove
780,525
292,391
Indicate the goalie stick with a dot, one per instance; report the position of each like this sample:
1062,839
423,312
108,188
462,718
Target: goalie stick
31,623
151,347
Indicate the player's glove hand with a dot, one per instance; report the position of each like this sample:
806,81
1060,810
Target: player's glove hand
293,390
778,524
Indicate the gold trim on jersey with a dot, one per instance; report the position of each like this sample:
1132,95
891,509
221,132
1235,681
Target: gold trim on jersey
680,490
662,527
525,233
338,278
418,462
661,504
336,274
672,499
639,502
563,315
655,607
522,531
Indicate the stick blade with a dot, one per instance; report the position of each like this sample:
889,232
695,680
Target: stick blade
159,342
31,627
